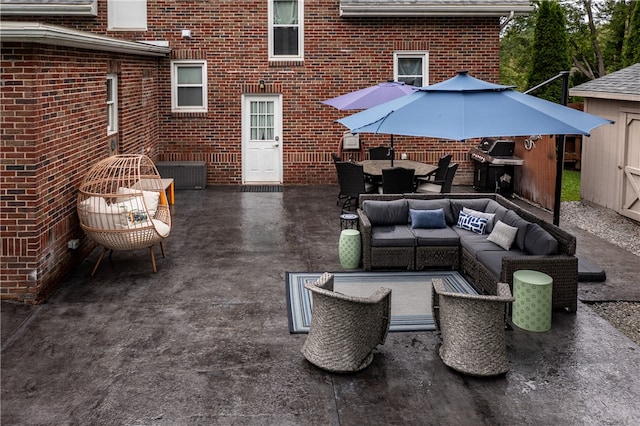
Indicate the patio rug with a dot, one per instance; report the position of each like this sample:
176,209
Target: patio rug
261,188
410,295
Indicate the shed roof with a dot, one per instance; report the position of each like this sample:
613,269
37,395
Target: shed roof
622,85
434,7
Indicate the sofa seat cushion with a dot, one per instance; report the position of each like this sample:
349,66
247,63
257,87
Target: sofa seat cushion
437,237
492,259
392,236
473,243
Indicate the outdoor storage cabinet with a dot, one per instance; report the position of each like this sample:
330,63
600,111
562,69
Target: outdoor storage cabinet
185,174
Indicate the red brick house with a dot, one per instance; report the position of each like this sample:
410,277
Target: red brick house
236,84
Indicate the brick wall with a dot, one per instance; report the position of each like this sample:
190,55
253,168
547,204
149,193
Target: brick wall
53,129
341,55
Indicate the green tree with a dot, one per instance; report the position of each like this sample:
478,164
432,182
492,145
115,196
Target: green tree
550,53
515,51
631,49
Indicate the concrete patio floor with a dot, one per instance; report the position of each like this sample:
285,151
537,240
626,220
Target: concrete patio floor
205,339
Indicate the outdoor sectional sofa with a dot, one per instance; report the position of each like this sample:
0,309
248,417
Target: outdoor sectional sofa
392,240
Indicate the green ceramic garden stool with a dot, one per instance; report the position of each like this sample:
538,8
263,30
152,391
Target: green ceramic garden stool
349,248
532,291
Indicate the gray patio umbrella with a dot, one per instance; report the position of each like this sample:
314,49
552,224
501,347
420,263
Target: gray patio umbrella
465,107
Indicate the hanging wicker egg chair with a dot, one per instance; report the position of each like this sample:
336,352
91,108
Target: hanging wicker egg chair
119,205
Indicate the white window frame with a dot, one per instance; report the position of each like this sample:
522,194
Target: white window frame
127,15
174,86
402,54
300,55
112,104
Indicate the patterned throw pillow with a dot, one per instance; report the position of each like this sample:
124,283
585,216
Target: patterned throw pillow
472,223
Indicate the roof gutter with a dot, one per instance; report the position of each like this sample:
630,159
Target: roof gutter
34,32
49,8
402,10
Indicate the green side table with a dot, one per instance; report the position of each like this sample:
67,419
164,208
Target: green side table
532,291
349,247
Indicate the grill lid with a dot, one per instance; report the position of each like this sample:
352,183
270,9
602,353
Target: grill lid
497,147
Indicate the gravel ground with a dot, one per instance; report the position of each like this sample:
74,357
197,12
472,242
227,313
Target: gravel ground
618,230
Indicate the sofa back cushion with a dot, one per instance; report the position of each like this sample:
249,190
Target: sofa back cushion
539,241
457,205
386,213
496,208
443,204
511,218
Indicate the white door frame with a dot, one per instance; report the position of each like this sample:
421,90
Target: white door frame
262,159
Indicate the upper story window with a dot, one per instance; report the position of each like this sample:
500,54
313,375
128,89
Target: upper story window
189,86
411,68
112,104
286,18
127,15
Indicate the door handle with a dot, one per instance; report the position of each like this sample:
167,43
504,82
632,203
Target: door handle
275,145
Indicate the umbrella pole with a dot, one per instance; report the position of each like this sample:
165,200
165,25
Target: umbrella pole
560,143
391,151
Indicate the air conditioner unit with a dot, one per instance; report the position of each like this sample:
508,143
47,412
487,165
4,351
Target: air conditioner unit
350,141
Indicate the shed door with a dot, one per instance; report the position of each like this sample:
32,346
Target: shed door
631,178
261,139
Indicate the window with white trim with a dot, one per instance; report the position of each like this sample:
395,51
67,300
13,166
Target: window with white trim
112,104
189,86
127,15
286,29
411,68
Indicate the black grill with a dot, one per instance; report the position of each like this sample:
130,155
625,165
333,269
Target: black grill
494,165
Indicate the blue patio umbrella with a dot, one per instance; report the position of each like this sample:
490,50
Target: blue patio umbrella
464,107
372,96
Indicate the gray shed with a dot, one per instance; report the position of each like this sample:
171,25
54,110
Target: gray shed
611,155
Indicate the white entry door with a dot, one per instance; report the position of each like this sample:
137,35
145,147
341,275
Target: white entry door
631,167
261,139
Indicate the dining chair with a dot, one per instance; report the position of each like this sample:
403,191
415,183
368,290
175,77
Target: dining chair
397,180
441,172
380,153
442,187
352,183
335,157
345,329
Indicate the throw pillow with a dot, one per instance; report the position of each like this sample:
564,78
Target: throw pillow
472,223
503,235
427,219
151,198
476,213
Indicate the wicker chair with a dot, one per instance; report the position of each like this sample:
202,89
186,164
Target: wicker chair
472,329
119,205
345,329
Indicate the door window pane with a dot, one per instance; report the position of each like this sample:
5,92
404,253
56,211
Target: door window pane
262,120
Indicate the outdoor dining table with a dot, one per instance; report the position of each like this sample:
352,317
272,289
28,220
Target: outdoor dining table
374,168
